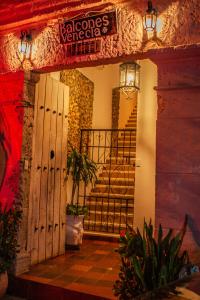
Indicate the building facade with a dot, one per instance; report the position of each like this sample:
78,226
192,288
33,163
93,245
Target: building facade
174,48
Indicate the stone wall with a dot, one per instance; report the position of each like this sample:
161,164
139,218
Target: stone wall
23,258
115,107
81,96
179,23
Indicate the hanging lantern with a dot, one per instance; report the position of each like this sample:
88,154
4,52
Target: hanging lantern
150,18
130,76
25,43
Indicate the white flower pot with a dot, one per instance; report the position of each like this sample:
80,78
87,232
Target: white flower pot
74,230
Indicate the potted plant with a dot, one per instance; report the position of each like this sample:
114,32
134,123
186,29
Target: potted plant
81,169
150,267
9,225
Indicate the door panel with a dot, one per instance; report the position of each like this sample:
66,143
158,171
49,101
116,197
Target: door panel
36,167
63,198
49,142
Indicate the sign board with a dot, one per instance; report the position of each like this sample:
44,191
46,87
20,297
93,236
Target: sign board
92,27
83,48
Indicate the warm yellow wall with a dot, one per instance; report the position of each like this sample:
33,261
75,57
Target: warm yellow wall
126,106
105,78
146,145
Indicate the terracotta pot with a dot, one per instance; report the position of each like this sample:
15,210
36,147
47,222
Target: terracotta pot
3,284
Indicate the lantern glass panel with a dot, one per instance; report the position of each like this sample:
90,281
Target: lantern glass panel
23,47
130,78
122,75
149,21
28,50
137,77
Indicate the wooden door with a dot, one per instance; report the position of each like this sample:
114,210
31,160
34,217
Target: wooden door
47,192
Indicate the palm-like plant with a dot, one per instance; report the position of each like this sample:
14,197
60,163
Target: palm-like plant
149,264
81,168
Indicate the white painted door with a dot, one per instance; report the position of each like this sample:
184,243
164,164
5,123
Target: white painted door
47,192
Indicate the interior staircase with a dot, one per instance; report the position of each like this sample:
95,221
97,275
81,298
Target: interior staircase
111,201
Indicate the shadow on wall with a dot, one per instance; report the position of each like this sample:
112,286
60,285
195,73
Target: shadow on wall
194,229
4,147
3,151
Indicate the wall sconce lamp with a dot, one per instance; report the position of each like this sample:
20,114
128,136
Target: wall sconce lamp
130,77
25,45
150,18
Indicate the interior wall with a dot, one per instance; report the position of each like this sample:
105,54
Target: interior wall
146,145
105,78
126,106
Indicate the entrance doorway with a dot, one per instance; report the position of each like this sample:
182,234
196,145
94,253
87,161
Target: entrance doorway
81,106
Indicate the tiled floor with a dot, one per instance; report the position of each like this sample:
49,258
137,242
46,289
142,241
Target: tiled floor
86,274
90,271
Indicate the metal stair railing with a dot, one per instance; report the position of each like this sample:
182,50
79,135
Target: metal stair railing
110,201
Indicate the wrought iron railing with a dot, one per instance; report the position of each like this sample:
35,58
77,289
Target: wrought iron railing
110,200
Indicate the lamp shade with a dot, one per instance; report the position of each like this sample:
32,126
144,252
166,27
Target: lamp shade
130,76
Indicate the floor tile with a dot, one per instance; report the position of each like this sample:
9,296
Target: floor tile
92,271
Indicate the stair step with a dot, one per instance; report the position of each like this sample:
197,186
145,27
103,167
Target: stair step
129,140
111,206
122,153
131,125
113,189
115,196
109,224
111,213
121,160
132,120
118,168
105,227
128,133
110,216
127,149
123,175
127,144
116,181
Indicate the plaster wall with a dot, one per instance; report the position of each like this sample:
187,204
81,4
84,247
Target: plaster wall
178,147
126,106
105,78
179,23
144,204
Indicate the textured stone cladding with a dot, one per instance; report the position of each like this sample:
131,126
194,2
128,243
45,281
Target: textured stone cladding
115,107
23,257
81,95
179,23
178,148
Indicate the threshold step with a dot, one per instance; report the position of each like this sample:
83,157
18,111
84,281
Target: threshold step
98,235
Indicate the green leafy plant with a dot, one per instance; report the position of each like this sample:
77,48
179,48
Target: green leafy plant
149,264
81,168
9,225
76,210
